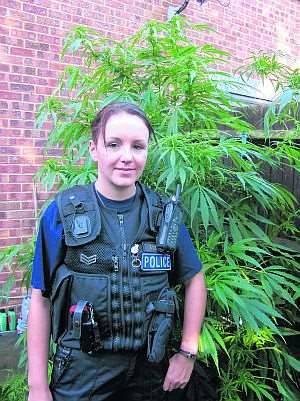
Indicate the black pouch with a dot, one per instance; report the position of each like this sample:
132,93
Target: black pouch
85,327
59,301
161,325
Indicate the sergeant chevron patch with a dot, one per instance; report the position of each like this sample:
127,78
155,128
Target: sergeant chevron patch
88,260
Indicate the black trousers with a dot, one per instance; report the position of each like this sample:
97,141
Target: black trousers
78,376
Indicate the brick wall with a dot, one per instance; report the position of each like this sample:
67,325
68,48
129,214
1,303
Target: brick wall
31,36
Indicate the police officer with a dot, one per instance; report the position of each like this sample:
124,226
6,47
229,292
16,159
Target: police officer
101,279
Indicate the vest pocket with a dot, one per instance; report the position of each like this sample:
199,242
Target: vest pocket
94,289
59,301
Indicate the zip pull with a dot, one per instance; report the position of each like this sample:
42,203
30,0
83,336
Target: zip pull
115,260
121,222
121,219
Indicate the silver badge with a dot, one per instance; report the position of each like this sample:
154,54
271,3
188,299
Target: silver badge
136,263
134,249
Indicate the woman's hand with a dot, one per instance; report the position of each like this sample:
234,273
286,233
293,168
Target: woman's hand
37,394
179,372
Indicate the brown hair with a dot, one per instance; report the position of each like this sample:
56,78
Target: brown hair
113,108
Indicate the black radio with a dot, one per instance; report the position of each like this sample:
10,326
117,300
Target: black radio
170,224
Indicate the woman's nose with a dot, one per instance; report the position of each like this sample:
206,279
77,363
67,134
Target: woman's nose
126,155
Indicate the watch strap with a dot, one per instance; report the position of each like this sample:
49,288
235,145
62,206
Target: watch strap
187,354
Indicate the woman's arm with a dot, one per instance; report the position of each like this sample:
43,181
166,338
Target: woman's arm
194,311
38,347
180,368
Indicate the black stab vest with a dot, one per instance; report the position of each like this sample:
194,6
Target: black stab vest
101,268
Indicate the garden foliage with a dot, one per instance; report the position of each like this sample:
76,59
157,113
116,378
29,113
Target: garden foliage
233,212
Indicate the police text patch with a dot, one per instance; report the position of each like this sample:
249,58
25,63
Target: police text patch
155,261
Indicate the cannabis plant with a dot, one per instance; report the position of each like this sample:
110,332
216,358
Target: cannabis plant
234,214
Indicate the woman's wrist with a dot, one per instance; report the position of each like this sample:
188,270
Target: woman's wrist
38,385
189,346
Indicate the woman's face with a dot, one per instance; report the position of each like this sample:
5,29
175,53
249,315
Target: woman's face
121,155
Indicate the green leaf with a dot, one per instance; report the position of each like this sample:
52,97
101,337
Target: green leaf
293,362
194,204
204,210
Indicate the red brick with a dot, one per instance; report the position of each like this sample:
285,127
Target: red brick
4,67
10,168
10,187
9,40
19,51
3,11
60,15
10,4
50,39
4,86
23,106
20,160
41,90
10,96
26,188
47,73
9,241
26,206
34,80
48,21
17,123
9,150
3,141
4,30
4,159
18,214
22,87
10,132
37,45
20,178
36,27
34,9
4,123
10,205
11,22
27,233
3,178
15,78
3,105
19,196
23,34
29,169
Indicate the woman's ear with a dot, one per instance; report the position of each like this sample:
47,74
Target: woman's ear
93,150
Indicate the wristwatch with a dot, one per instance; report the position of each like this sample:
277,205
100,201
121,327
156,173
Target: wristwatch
187,354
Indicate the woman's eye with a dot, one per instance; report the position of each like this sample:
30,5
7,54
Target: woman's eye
112,145
139,147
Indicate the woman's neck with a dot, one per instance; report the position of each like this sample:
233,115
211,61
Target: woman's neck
115,193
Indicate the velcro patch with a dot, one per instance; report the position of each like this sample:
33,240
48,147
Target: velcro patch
155,262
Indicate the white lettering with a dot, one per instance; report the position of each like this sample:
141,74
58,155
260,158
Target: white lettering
146,260
152,262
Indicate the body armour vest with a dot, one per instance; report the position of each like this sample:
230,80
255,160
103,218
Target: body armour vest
113,263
